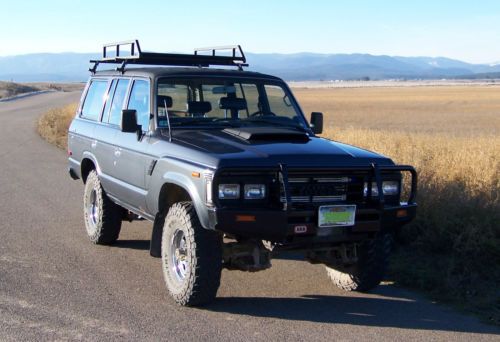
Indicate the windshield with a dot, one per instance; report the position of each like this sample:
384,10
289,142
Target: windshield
217,102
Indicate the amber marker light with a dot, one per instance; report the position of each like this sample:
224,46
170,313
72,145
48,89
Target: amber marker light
195,174
401,213
245,218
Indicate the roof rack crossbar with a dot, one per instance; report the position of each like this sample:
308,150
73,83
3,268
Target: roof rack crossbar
129,52
232,48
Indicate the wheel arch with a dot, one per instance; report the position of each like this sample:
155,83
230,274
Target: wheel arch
171,193
175,188
88,164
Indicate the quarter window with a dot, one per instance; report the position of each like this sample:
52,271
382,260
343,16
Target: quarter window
96,95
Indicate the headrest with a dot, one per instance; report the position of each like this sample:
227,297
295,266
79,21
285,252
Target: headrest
232,103
197,107
162,99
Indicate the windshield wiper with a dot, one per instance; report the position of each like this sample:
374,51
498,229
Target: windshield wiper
214,122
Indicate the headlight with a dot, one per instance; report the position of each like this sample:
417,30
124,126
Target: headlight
389,188
255,191
229,191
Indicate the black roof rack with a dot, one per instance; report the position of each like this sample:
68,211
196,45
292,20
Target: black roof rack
129,52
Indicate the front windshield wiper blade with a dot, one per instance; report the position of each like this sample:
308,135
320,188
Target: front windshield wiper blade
198,122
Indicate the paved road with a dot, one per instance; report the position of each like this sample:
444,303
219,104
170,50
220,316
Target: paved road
55,285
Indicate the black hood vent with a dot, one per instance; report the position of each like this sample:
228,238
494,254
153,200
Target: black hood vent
270,134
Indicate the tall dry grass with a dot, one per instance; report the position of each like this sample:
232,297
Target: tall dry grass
53,125
450,134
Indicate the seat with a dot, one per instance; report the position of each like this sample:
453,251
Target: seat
233,104
198,108
163,100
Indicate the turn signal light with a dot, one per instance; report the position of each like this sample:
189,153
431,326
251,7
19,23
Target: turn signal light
401,213
245,218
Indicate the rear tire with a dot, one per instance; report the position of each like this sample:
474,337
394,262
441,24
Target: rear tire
103,218
369,271
191,257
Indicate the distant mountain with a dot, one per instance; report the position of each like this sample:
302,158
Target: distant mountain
309,66
294,67
46,67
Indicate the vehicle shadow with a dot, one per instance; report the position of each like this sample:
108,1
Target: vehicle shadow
132,244
405,313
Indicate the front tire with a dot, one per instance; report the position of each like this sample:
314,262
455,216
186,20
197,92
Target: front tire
370,268
191,257
103,218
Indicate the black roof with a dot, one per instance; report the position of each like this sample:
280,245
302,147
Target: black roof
155,72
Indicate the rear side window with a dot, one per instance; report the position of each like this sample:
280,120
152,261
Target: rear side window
139,100
96,95
117,105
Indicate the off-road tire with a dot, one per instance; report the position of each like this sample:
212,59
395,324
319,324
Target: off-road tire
369,271
202,250
103,218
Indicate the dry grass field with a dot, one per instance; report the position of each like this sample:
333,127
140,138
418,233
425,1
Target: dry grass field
451,135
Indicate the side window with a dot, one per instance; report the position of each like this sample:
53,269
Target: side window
109,98
139,100
279,102
115,113
92,106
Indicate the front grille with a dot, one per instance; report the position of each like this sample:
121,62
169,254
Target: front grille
323,189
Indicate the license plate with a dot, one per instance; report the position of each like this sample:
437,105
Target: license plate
336,215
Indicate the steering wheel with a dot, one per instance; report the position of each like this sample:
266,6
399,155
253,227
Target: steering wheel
261,113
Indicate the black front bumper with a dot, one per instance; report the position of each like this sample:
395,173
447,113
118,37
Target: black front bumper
300,226
290,226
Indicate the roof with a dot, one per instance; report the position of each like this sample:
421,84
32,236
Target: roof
156,72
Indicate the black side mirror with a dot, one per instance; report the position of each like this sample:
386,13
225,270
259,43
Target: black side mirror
129,121
317,122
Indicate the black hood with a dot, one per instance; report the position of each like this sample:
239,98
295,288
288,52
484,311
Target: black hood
249,147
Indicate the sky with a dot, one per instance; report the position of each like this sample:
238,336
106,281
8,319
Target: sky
464,30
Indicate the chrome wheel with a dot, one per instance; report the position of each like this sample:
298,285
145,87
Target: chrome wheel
179,257
92,212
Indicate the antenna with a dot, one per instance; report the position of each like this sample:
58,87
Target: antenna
168,121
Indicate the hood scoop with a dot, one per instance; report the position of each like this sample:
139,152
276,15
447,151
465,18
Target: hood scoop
269,134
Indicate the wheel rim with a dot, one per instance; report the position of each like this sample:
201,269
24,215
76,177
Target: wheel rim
92,211
179,257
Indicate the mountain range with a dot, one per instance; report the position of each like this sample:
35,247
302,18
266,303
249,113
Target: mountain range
65,67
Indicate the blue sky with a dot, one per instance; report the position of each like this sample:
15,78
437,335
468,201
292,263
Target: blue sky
466,30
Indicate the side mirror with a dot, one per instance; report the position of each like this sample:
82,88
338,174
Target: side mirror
317,122
129,121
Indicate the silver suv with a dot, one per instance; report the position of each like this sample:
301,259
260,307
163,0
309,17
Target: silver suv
230,172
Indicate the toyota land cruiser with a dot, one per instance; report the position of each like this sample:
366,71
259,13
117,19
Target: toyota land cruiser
225,165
